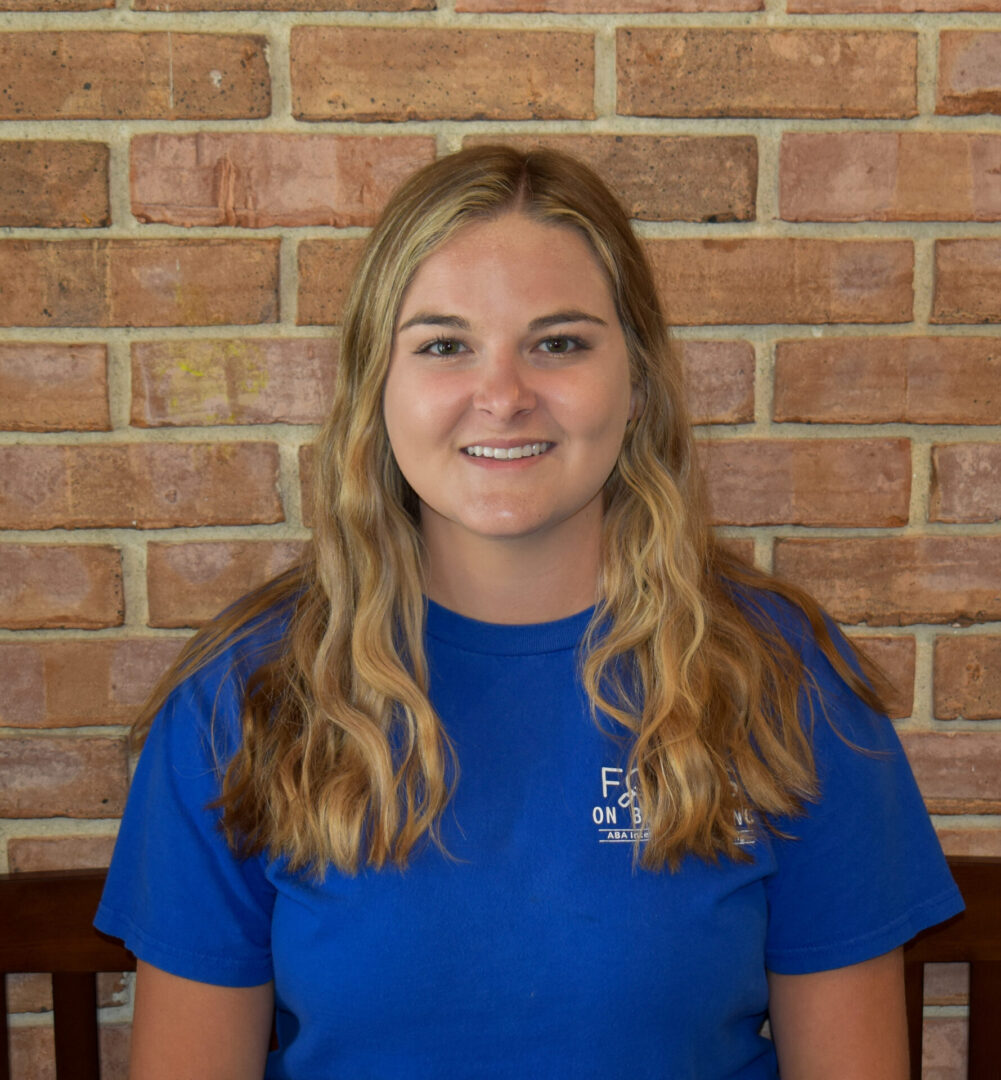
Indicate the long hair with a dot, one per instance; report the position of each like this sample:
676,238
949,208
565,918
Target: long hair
343,759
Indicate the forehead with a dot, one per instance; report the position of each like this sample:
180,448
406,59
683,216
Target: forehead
510,256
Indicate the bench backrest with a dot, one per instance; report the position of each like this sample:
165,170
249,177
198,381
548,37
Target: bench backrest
45,926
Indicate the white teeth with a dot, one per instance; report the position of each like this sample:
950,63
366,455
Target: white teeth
512,453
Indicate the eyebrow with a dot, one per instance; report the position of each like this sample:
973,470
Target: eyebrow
427,318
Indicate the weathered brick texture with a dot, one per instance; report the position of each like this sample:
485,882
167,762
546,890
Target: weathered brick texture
892,580
666,178
48,585
813,73
283,5
189,583
784,280
808,481
915,380
146,486
587,7
63,776
968,677
71,683
257,181
891,176
967,281
720,379
895,657
362,73
968,66
325,271
137,282
50,184
52,387
966,482
58,853
232,381
956,771
890,7
77,75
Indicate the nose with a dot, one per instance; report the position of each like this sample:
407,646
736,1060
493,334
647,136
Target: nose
504,389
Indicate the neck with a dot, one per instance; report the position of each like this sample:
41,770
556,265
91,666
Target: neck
514,581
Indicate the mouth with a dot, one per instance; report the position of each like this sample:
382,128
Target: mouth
508,453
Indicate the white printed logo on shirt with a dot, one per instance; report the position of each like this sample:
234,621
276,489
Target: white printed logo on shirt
620,820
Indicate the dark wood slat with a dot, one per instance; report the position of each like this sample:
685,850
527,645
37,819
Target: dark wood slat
46,919
4,1048
74,1007
914,989
985,1020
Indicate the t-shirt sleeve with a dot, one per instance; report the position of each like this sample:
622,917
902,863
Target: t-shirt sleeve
176,893
862,871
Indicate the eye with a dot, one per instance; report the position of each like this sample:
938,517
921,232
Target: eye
442,347
561,344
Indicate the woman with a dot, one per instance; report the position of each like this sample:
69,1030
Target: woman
521,773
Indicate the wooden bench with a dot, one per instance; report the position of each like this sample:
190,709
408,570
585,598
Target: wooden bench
45,926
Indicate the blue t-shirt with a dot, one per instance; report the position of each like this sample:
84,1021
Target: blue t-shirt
535,948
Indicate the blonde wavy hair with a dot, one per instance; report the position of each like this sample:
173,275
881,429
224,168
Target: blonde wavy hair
343,759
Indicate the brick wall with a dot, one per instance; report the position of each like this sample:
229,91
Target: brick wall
183,188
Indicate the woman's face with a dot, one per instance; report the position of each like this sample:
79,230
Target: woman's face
508,390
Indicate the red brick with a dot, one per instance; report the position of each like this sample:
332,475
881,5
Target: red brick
972,841
890,176
947,984
969,72
283,5
968,677
256,180
80,682
79,852
913,380
958,772
665,178
706,282
967,281
719,377
88,75
77,586
889,7
418,73
598,7
944,1047
232,381
138,282
842,482
326,269
55,5
898,580
53,184
50,387
188,584
895,657
722,72
144,485
63,776
966,482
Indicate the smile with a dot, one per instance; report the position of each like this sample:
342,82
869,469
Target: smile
510,453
